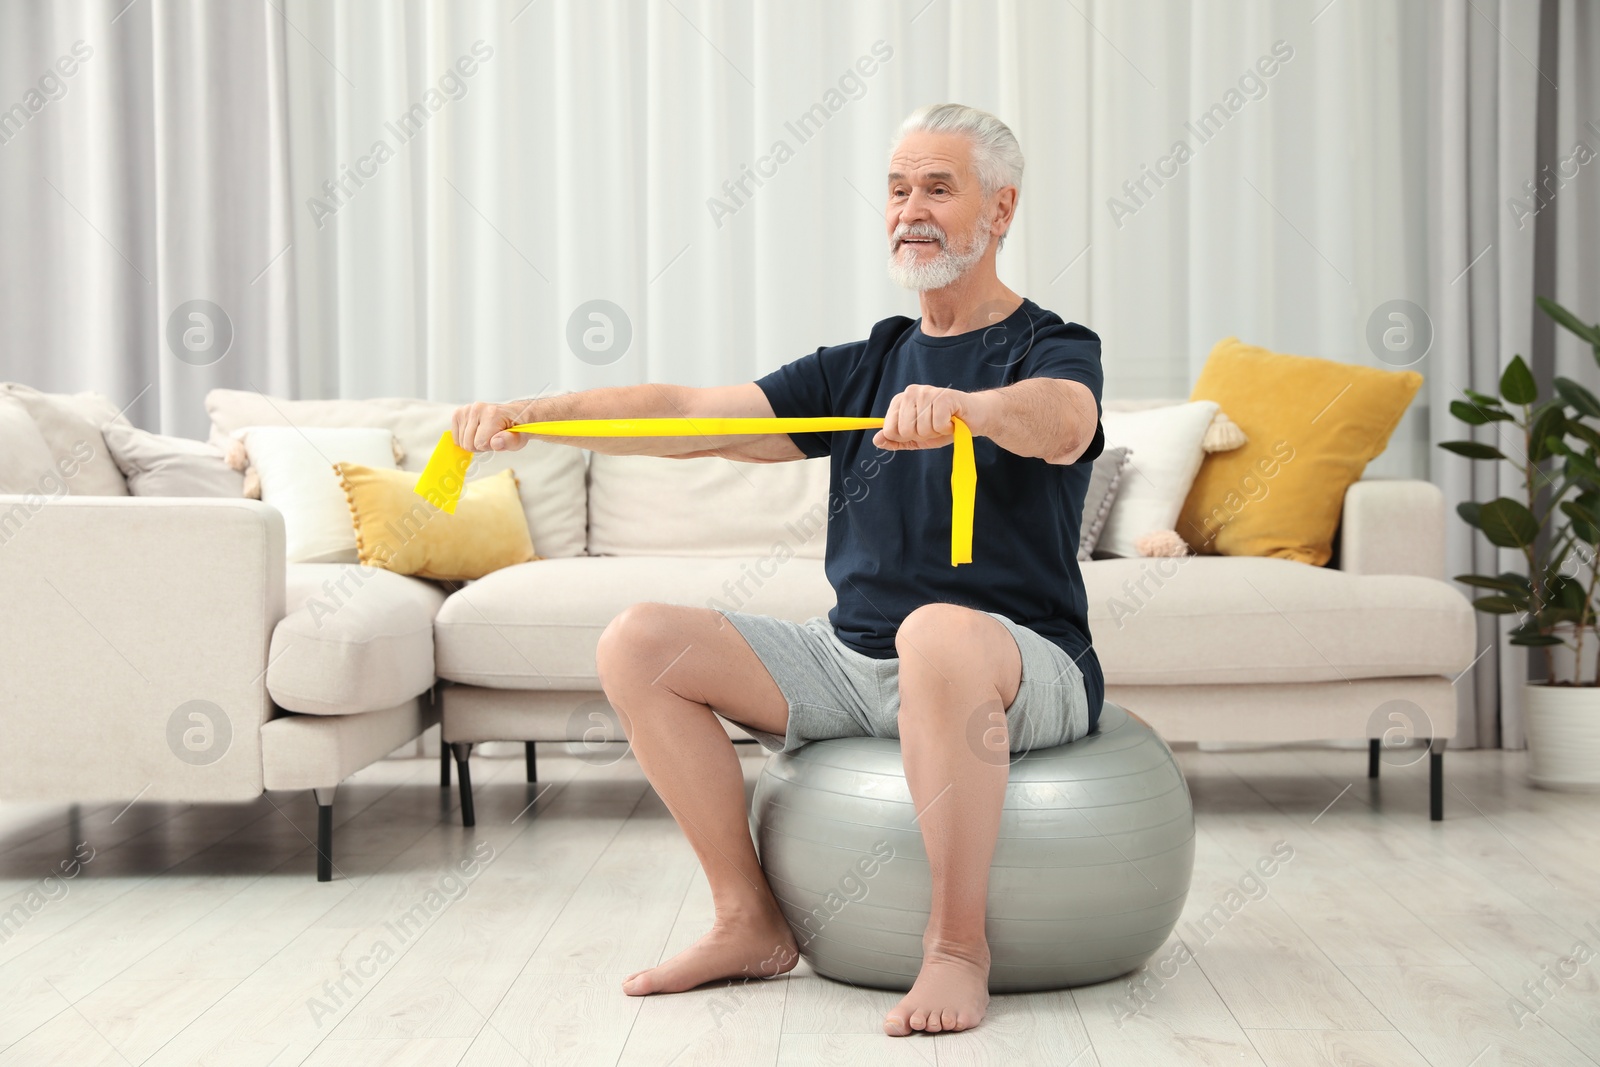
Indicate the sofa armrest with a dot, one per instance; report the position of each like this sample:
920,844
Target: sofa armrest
121,611
1393,526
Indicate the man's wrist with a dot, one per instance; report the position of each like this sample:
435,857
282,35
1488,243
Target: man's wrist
982,410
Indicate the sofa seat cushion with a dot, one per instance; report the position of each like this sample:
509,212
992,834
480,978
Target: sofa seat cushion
1207,620
354,639
536,625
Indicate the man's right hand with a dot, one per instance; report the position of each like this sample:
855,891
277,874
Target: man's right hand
482,427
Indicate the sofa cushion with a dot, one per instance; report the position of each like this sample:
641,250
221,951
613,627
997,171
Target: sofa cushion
156,465
1281,494
355,639
1213,620
299,475
70,425
549,476
708,506
1165,450
536,625
401,532
26,464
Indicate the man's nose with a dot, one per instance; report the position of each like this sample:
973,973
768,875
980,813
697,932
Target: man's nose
915,209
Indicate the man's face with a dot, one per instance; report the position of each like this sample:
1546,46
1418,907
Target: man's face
938,220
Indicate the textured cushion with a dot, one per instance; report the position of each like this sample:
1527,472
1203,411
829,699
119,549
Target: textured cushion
1097,500
1165,452
170,466
299,479
535,626
70,426
1313,426
709,506
1209,620
549,476
26,465
354,639
401,532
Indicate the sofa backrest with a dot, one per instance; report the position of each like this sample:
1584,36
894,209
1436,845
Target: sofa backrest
707,506
68,425
550,477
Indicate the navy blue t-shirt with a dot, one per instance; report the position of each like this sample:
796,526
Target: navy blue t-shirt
889,511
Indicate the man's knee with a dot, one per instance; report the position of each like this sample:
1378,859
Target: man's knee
940,633
634,639
953,646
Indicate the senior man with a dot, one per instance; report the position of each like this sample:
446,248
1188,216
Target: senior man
963,664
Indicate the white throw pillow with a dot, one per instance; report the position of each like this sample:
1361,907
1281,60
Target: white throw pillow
297,477
1165,446
170,466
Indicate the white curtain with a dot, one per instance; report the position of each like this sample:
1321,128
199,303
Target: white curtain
142,167
425,198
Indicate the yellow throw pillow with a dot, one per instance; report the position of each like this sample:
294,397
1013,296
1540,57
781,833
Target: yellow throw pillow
401,532
1312,425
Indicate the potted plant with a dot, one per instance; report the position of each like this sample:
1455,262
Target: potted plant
1556,526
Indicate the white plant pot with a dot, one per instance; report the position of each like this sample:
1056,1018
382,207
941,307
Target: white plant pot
1564,737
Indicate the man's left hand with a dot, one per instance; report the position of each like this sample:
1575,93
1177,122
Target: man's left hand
919,417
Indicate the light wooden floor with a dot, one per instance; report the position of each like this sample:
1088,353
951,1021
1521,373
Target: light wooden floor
197,935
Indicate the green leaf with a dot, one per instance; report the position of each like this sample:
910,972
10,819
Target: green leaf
1582,471
1472,450
1516,384
1583,523
1566,594
1508,524
1591,334
1550,422
1482,398
1497,605
1536,640
1471,513
1581,400
1479,414
1510,583
1589,434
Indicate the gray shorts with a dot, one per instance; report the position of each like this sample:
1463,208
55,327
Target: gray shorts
835,691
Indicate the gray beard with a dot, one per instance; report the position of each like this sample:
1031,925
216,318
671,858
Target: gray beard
945,269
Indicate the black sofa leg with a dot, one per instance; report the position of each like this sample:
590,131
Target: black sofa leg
533,766
1372,757
324,834
444,765
1436,779
463,752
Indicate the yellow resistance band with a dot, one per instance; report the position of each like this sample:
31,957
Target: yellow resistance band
442,479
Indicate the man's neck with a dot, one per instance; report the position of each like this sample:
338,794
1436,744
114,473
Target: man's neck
976,300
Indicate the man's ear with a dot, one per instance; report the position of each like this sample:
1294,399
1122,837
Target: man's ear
1005,208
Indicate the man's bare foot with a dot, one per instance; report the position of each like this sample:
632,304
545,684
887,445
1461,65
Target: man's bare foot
734,949
951,991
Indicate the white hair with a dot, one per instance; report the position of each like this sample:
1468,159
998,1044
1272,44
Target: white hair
996,155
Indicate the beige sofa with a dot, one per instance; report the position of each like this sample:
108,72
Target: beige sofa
1204,648
161,649
185,660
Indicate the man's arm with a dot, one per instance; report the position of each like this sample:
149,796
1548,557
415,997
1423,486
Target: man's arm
482,427
1052,419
